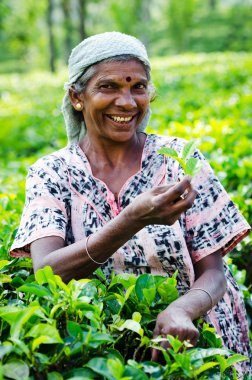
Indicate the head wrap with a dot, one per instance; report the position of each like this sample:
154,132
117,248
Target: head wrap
90,51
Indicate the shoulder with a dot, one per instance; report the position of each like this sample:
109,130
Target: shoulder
55,163
160,141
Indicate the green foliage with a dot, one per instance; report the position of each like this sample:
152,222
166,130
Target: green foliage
180,15
166,27
190,165
94,329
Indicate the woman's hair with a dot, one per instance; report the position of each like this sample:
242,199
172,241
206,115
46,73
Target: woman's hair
80,84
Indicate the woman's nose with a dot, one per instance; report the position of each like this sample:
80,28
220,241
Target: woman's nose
126,100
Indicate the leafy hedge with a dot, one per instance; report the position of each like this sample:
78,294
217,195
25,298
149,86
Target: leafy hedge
95,329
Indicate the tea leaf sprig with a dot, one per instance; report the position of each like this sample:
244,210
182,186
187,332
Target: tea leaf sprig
190,165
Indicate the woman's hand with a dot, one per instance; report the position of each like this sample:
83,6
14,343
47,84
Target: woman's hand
176,322
162,204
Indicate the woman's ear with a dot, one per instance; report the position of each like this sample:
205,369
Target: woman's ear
76,100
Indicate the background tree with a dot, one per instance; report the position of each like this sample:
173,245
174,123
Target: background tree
180,15
52,53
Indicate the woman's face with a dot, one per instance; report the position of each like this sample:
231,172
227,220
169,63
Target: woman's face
116,100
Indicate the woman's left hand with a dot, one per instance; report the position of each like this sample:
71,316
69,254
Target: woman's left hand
176,322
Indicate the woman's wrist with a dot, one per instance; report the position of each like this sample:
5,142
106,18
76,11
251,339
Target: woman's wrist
194,305
132,219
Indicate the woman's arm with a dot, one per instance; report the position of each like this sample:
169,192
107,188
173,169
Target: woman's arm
161,205
177,319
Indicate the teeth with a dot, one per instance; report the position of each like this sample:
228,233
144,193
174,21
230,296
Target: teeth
121,119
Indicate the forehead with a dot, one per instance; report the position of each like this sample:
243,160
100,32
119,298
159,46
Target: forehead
120,70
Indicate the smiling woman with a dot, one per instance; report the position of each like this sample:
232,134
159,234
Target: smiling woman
109,199
111,106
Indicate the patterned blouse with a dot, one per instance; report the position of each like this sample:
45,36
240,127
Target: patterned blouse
64,199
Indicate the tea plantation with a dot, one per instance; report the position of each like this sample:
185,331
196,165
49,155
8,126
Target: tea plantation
95,329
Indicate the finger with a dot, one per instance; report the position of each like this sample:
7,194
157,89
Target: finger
194,338
154,355
173,193
185,203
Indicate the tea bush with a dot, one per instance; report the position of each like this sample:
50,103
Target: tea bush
93,329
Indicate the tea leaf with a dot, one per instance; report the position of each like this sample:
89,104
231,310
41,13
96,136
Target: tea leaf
47,331
43,275
5,278
38,290
16,369
135,373
168,152
136,317
205,367
201,353
115,367
132,325
235,359
126,279
144,281
168,291
5,350
54,376
3,263
188,149
99,365
193,166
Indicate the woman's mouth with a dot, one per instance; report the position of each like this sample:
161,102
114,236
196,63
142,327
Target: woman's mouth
121,119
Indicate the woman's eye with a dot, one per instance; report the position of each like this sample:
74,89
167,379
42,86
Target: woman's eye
140,86
106,86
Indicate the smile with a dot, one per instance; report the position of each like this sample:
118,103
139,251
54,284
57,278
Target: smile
120,119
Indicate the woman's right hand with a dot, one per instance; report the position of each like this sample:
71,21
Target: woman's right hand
163,204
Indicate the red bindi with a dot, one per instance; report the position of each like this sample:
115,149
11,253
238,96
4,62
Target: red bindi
128,79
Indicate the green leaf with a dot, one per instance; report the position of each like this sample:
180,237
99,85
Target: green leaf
80,374
222,362
193,166
16,369
205,367
3,263
99,365
17,282
135,373
5,278
210,336
129,324
200,353
126,279
188,149
168,291
5,350
54,376
22,347
48,333
74,330
17,317
100,274
144,281
38,290
149,295
99,339
43,275
136,316
115,367
175,343
168,152
235,359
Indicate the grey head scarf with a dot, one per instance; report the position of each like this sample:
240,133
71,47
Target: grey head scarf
92,50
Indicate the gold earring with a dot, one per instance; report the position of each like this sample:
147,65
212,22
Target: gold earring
78,106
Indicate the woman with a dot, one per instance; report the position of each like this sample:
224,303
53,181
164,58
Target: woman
108,199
